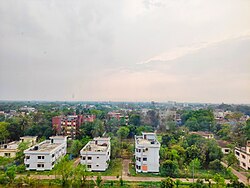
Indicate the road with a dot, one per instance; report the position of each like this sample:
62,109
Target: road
241,177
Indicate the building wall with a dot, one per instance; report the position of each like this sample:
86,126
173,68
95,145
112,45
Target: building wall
8,153
48,159
99,161
244,158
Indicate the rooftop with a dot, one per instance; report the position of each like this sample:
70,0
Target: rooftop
45,146
93,147
11,145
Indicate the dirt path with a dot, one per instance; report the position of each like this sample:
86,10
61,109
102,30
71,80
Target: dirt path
241,177
125,167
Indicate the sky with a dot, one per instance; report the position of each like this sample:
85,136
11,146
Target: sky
126,50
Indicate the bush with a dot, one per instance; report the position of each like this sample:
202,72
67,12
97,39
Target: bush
215,165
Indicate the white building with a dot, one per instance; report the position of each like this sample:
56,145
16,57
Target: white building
147,153
10,149
224,145
44,155
96,154
243,155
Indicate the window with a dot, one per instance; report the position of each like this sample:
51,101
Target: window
40,165
97,157
139,159
237,153
139,167
27,165
145,159
88,166
97,165
243,156
7,154
53,155
226,150
27,157
52,163
139,150
89,158
244,164
83,158
146,149
40,157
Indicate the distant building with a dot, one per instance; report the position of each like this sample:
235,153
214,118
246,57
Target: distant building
147,153
10,149
69,125
206,135
243,155
118,116
224,146
96,154
44,155
27,109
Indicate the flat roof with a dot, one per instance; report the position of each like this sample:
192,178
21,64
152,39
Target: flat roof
45,146
91,146
11,145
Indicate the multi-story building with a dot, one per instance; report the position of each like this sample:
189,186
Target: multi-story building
96,154
44,155
243,155
69,125
147,155
10,149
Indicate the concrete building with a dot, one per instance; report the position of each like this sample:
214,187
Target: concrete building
206,135
69,125
96,154
243,155
10,149
147,153
224,145
44,155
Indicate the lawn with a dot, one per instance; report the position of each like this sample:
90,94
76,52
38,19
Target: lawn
114,169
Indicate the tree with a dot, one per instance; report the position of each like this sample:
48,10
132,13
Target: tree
80,175
169,168
247,130
219,180
98,181
216,165
75,147
135,119
11,173
123,132
231,159
98,128
4,133
167,183
21,147
194,165
65,169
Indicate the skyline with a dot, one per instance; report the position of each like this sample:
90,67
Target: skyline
143,50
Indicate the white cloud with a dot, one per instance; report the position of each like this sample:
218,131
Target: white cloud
180,52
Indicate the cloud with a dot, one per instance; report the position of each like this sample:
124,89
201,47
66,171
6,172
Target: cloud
180,52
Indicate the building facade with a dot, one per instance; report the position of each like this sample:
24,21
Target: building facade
243,156
96,154
44,155
69,125
10,149
147,150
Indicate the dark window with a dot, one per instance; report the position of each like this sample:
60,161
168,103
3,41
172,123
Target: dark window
7,154
89,166
244,164
27,165
40,157
237,153
97,157
89,158
243,156
139,159
226,150
83,158
40,165
144,159
28,157
53,155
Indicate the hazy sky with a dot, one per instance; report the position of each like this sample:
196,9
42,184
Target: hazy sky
125,50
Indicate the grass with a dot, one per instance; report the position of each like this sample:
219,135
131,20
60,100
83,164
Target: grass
114,169
202,173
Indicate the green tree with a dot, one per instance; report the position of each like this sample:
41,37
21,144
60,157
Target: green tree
167,183
75,148
4,133
219,180
194,165
20,154
231,159
169,168
65,169
80,175
123,132
98,128
11,173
